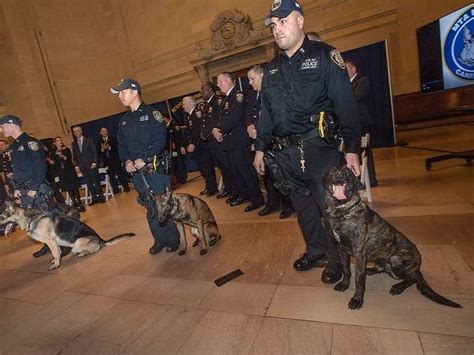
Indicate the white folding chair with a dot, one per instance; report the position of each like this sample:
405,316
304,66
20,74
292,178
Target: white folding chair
364,171
109,193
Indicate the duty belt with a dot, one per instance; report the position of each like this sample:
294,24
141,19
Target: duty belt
279,143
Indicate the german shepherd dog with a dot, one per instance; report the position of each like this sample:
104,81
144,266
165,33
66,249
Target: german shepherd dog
57,229
192,211
363,234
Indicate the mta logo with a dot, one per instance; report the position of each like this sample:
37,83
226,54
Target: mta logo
459,46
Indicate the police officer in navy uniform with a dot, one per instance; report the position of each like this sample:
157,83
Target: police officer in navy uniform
210,120
275,200
231,132
29,171
307,82
196,147
141,142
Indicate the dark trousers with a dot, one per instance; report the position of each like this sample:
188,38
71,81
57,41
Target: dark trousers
115,170
202,156
166,234
221,159
307,192
275,200
91,177
244,174
179,167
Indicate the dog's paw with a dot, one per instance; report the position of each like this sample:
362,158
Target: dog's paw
196,243
53,266
341,286
203,251
182,252
355,303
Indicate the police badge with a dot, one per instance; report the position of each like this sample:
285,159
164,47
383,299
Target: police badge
337,58
158,116
276,4
240,97
199,114
34,146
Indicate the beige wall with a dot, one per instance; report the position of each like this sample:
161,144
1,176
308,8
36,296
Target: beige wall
88,45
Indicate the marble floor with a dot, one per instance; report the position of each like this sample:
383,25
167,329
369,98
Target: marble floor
123,300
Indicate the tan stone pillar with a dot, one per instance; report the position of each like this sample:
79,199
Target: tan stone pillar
202,73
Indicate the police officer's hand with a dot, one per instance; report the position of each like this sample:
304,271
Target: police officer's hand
78,170
258,163
182,150
138,163
31,193
93,165
129,166
252,132
352,160
216,132
190,148
16,194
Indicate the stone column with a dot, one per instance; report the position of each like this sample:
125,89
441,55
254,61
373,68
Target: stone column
202,73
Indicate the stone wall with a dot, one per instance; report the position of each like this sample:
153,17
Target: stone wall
59,57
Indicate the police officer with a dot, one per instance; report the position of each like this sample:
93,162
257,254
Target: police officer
211,110
29,171
196,147
275,200
231,132
304,85
141,142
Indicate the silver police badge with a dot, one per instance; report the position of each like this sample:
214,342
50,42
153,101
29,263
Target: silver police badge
276,4
337,58
198,114
240,97
158,116
34,146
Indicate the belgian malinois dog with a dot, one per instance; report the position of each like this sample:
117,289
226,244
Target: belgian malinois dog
192,211
363,234
57,229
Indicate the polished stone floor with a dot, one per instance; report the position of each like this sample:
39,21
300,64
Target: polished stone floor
123,300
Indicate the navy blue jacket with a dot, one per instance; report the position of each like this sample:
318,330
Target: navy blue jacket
28,162
232,120
141,134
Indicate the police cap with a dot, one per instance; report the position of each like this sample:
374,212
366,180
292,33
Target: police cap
281,9
10,119
126,84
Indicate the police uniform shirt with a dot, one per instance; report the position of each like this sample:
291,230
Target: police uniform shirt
193,127
313,80
28,162
211,111
141,134
232,119
253,108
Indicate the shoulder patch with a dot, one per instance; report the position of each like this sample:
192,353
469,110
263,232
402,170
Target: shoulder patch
158,116
33,145
240,97
198,114
200,105
337,58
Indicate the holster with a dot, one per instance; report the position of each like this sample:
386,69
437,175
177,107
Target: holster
326,125
274,168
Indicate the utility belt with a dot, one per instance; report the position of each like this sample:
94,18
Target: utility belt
159,163
326,129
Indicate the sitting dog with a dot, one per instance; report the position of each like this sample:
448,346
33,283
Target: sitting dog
57,229
363,234
190,210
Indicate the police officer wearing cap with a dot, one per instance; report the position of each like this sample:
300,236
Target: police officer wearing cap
29,171
141,142
304,88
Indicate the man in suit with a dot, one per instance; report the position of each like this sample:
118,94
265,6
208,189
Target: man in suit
361,88
84,157
108,154
174,139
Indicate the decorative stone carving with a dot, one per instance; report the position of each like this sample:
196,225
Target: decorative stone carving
230,29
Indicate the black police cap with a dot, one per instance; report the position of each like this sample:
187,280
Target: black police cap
126,84
281,9
10,119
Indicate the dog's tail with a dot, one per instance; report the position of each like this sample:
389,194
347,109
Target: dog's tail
117,239
427,291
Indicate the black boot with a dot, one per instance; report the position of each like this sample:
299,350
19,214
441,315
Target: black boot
76,200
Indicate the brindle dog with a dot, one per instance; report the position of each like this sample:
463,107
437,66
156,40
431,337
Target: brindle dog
363,234
192,211
57,229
